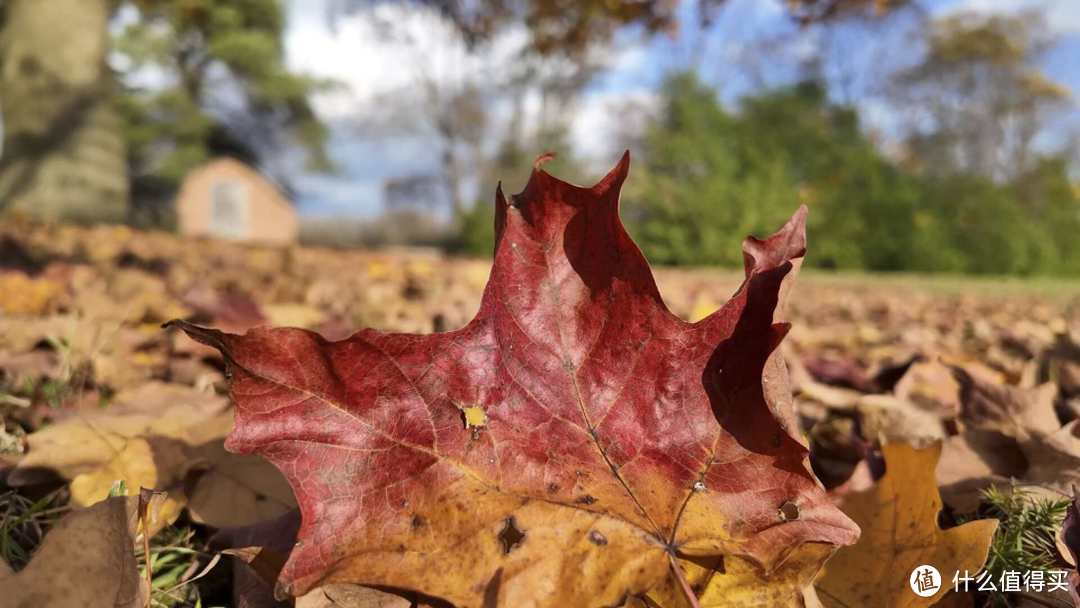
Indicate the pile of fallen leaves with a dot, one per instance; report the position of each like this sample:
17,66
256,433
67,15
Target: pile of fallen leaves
561,440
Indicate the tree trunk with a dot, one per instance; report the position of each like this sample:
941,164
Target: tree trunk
63,155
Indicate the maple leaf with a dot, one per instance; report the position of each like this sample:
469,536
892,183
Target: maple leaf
613,437
899,520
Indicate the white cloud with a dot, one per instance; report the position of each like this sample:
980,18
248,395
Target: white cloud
381,55
386,50
604,119
1062,16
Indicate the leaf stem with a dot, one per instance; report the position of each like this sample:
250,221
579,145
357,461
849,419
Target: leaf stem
688,591
149,563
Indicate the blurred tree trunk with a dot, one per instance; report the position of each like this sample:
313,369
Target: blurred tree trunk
63,154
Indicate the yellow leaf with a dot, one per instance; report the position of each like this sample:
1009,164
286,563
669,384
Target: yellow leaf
898,518
139,464
23,295
733,582
293,315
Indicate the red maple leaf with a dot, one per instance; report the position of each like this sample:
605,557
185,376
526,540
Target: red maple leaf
607,434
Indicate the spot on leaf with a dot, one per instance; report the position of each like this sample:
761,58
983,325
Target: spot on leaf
510,536
789,511
474,417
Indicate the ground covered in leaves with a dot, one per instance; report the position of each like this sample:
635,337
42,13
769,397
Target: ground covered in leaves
927,404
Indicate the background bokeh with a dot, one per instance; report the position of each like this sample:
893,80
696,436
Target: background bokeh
925,135
331,165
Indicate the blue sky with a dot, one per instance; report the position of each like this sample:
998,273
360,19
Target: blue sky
378,76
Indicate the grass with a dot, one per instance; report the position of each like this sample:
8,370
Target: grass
176,562
936,283
24,522
980,285
177,559
1025,538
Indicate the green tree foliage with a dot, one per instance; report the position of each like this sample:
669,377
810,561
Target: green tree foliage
215,83
710,175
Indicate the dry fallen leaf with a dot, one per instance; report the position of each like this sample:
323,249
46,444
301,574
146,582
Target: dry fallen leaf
973,461
235,489
259,551
899,525
86,561
356,596
159,436
932,385
140,463
1011,433
87,442
1013,411
1054,460
84,440
892,419
24,295
615,434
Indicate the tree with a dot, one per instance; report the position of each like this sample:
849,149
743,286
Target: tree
221,87
977,99
568,27
554,55
63,155
78,137
691,182
710,175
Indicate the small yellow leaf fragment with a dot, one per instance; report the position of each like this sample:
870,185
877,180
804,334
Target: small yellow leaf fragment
474,416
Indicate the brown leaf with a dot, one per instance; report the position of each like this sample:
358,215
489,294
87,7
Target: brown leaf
1068,377
931,385
1054,460
233,490
259,551
840,372
1013,411
86,561
352,596
889,418
975,460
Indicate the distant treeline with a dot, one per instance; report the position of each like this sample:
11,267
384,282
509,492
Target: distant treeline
705,176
